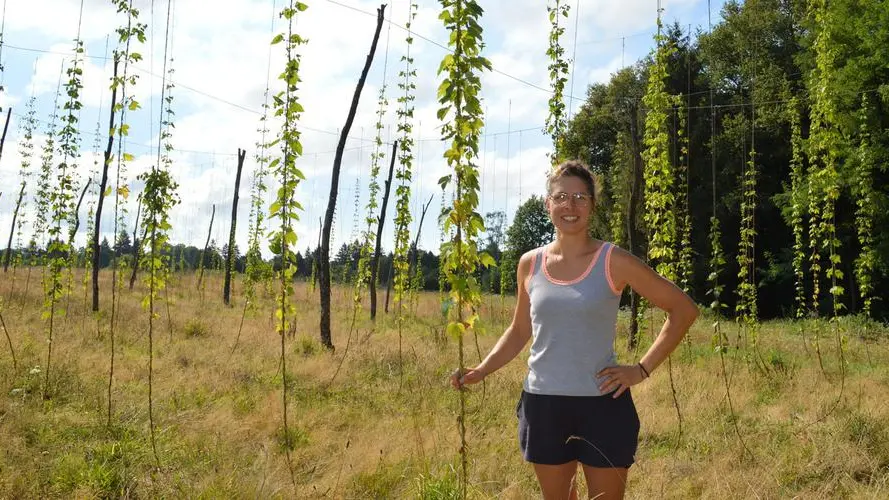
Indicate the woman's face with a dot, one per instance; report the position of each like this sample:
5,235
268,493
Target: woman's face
570,205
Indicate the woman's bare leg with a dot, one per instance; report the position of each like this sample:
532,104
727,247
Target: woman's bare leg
557,481
605,483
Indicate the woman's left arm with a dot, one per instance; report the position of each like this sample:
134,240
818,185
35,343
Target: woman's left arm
626,269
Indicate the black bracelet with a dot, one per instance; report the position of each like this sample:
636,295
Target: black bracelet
644,370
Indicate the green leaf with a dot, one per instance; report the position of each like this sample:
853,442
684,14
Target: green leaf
486,260
456,329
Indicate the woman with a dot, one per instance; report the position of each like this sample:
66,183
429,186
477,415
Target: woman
576,404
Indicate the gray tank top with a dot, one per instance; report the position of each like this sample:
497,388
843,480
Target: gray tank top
573,327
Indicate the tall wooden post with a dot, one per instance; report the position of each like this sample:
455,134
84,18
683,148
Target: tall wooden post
227,288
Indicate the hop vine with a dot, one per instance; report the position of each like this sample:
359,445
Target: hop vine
558,75
824,180
26,152
403,174
285,208
61,201
865,212
660,199
371,220
256,270
133,30
159,196
746,308
798,208
683,213
44,179
463,118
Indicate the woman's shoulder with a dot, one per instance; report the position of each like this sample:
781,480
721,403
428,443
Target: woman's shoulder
533,253
617,251
526,261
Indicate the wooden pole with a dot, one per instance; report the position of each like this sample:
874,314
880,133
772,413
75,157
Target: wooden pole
206,246
324,267
227,287
97,254
15,215
5,128
136,243
375,261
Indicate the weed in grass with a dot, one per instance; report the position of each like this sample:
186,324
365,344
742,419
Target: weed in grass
381,483
308,346
196,328
442,486
768,391
780,362
291,439
869,433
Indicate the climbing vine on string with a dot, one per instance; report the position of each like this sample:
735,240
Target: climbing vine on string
798,207
558,75
26,152
44,179
61,201
825,143
159,196
403,175
746,308
368,238
660,199
683,212
285,208
256,268
132,31
463,119
865,212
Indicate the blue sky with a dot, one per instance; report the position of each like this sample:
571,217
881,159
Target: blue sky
221,55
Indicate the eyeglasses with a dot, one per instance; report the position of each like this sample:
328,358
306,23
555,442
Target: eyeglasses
580,199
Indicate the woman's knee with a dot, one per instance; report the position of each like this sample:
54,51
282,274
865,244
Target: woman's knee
556,481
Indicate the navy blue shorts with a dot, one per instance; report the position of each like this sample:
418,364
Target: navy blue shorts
598,431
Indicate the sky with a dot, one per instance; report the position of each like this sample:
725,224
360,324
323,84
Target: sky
222,62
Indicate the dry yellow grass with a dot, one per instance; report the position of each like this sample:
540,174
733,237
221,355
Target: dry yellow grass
385,426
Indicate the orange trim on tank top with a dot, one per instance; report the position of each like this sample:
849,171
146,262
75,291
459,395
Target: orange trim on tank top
531,272
608,272
578,279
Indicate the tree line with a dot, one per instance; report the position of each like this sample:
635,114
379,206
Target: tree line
765,89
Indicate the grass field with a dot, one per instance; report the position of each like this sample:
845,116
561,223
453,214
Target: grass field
370,422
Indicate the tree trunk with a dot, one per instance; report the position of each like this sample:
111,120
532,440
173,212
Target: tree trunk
316,255
5,128
15,215
334,186
375,261
97,254
227,287
73,231
633,236
415,258
389,280
11,231
136,243
206,246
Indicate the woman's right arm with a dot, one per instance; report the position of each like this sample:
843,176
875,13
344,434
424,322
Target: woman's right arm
513,339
